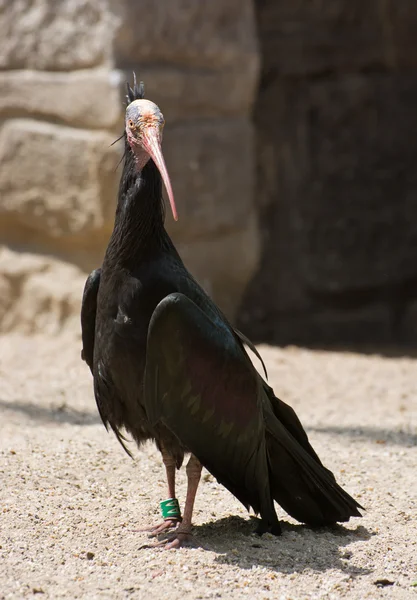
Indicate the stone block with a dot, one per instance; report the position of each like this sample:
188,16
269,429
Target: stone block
300,37
356,213
57,180
186,94
210,163
400,25
55,35
196,60
214,35
367,326
223,264
337,185
408,324
86,98
40,294
59,100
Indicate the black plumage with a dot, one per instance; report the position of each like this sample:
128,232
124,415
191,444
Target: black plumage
168,366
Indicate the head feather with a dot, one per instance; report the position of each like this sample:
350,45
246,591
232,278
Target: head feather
138,91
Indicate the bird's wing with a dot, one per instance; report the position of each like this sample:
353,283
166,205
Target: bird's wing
200,384
88,316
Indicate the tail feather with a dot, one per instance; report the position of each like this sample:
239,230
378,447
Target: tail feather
288,417
299,482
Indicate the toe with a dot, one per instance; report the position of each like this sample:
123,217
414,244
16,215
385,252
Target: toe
155,530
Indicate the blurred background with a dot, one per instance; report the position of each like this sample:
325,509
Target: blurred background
291,140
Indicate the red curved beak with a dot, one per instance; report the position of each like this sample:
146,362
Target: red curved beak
152,144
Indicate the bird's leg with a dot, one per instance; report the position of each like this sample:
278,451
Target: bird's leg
169,522
183,535
193,470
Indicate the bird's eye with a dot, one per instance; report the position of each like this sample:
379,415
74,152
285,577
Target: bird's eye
130,123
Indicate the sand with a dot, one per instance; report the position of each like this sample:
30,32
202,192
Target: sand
70,499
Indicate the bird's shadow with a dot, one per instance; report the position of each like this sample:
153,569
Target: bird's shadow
299,548
376,434
57,414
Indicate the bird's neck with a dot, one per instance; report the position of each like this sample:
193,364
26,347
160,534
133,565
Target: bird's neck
139,223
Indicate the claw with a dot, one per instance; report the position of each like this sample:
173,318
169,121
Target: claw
174,541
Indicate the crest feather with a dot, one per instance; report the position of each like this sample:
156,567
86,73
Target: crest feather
138,91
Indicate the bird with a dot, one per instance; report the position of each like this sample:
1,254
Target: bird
168,366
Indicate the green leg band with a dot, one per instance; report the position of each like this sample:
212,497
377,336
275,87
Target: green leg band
170,509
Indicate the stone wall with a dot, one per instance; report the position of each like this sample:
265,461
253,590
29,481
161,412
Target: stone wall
336,192
63,67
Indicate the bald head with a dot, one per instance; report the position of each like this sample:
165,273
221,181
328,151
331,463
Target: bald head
144,124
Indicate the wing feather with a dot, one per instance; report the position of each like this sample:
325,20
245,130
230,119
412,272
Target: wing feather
198,384
88,316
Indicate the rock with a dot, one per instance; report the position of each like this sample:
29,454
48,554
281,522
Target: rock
186,94
62,184
87,98
365,326
336,189
303,37
331,163
356,215
210,167
195,60
50,35
217,35
408,328
400,21
63,68
39,294
224,264
55,179
43,294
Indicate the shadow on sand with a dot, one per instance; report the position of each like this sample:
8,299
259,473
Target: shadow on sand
59,414
376,434
232,539
299,547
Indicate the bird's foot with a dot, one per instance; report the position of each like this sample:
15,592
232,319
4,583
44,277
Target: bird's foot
176,540
164,527
181,538
263,527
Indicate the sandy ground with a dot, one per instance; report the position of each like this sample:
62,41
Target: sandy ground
70,499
